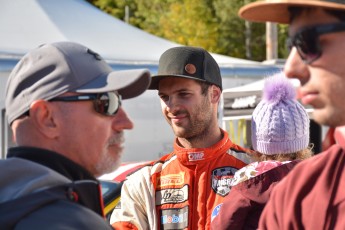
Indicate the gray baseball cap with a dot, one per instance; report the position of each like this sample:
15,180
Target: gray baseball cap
53,69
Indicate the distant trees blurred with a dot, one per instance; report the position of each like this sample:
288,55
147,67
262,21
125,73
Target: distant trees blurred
211,24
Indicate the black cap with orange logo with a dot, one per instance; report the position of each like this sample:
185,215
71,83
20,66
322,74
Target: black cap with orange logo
187,62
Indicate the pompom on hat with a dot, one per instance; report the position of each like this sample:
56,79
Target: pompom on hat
280,124
278,10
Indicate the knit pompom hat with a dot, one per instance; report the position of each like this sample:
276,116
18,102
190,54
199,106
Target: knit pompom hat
280,124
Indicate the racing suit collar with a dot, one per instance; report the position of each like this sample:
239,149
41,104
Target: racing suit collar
193,156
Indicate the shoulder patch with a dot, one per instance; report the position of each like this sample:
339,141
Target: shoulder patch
222,180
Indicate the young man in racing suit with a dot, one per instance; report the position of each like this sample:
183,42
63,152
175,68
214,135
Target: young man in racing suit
184,189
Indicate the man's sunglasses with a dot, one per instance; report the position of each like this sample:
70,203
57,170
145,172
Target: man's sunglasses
307,41
104,103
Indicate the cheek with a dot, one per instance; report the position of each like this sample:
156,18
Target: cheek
91,132
333,54
336,91
163,107
330,87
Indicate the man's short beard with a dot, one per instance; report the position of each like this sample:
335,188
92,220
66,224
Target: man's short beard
107,162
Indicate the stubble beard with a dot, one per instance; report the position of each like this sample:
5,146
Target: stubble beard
109,162
198,124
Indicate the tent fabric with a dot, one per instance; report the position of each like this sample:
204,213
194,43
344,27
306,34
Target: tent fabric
241,101
26,24
254,86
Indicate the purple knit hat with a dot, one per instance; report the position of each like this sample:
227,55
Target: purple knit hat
280,124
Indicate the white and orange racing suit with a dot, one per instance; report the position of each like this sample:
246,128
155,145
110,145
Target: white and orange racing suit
183,190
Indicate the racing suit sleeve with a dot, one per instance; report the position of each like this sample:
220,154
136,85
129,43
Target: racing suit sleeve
137,205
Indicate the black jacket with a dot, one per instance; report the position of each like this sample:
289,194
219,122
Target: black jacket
32,171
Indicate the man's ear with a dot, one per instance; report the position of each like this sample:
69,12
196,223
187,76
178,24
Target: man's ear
216,93
43,117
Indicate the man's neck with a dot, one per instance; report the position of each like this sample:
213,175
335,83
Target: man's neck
201,141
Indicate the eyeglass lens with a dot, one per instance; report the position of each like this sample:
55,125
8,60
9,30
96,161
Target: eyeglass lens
307,40
104,103
107,103
307,45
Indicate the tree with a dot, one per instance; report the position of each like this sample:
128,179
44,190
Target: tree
232,32
211,24
114,8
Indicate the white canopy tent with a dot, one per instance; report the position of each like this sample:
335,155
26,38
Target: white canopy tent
240,101
25,24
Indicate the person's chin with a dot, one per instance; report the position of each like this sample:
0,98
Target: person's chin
111,162
178,130
115,149
324,117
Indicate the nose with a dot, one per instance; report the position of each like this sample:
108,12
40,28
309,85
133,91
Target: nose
296,68
121,121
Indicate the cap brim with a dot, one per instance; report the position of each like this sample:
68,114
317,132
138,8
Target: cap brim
277,10
156,79
129,83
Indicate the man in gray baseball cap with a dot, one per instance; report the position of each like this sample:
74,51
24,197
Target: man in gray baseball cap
312,196
63,102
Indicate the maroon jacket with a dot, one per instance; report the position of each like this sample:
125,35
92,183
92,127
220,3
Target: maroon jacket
243,206
312,196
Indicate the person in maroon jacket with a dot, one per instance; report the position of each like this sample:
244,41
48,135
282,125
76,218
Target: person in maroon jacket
280,137
312,196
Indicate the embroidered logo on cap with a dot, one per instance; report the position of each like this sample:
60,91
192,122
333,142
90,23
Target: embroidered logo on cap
96,55
190,68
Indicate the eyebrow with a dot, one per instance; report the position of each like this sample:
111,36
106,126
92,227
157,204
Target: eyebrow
176,91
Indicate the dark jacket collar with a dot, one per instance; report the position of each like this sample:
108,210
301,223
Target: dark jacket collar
52,160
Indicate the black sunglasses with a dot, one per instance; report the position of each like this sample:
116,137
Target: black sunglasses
307,42
107,104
